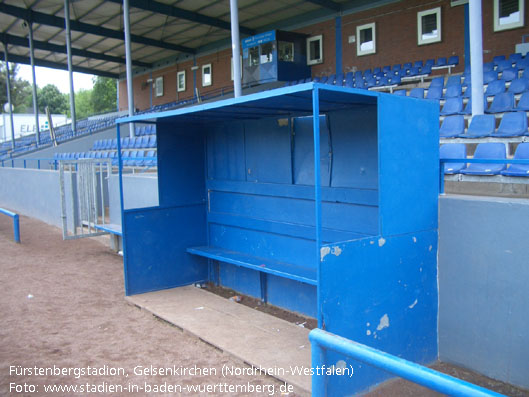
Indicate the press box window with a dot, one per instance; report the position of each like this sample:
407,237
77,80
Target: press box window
286,51
181,81
429,26
508,14
267,52
206,75
158,84
366,43
314,50
253,57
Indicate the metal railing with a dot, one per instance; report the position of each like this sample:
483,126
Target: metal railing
322,340
481,161
53,163
16,225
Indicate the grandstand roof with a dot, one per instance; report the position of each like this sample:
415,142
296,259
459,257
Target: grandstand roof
160,30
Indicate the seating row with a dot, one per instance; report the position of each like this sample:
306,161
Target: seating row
511,125
146,141
145,130
501,103
133,158
486,150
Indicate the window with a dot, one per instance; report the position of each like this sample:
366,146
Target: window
508,14
286,51
267,52
158,84
429,26
365,44
206,75
314,50
253,59
181,81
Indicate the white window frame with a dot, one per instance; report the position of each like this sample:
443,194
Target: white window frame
420,14
178,86
513,25
204,84
158,86
359,51
310,40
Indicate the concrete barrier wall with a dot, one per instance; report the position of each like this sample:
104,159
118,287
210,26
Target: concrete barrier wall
484,286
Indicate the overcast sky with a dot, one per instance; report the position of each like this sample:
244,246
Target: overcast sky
81,81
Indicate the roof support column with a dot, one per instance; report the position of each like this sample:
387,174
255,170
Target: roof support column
70,65
128,59
9,103
235,48
34,85
476,56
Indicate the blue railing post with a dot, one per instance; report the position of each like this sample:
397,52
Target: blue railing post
16,229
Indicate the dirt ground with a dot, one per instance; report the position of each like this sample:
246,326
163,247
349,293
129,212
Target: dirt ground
62,308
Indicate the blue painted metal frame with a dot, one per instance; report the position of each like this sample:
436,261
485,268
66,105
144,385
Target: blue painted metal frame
322,341
16,226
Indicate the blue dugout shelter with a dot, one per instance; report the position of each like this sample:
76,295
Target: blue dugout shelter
319,199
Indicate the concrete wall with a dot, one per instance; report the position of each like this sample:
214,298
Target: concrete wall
138,191
484,286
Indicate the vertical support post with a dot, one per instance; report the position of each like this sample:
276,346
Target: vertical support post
195,77
34,80
476,56
70,64
16,228
128,61
338,43
235,48
467,35
317,358
150,89
122,207
10,104
317,190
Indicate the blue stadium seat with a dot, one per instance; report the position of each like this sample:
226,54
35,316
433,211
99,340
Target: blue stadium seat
414,71
418,64
512,124
488,67
441,61
523,103
417,93
437,82
407,65
349,78
114,144
434,93
452,106
487,150
453,60
519,86
331,79
453,80
453,91
430,62
395,79
151,161
495,87
453,151
498,58
523,64
468,106
401,92
144,143
125,143
489,76
509,74
522,152
140,162
359,75
503,102
468,91
396,67
114,157
480,126
426,69
515,57
108,144
386,69
503,64
137,131
452,126
315,79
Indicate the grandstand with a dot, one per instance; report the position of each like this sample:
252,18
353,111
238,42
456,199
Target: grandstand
349,141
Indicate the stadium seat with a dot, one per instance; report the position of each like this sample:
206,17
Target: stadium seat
132,158
407,65
498,58
140,162
503,64
417,93
522,153
453,80
114,144
418,64
349,78
426,69
503,102
480,126
452,106
144,143
125,143
323,79
468,91
434,93
452,126
487,150
489,76
453,91
453,60
512,124
441,61
523,103
495,87
394,79
437,82
386,69
519,86
515,57
509,74
400,92
468,106
488,67
453,151
430,62
151,161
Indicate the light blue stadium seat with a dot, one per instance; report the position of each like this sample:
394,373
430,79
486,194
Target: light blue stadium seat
509,74
434,93
468,106
125,143
480,126
487,150
522,152
452,126
114,157
512,124
452,106
453,151
437,82
453,80
489,76
523,103
453,91
519,86
114,145
495,87
417,93
144,141
140,159
468,91
503,102
149,162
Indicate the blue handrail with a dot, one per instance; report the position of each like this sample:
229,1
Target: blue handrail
16,226
321,340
